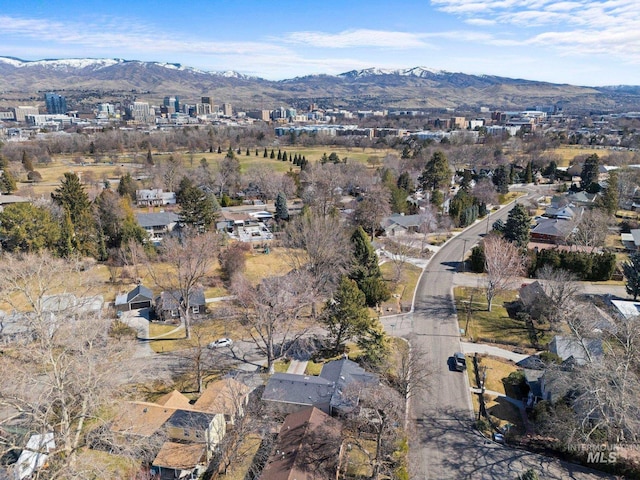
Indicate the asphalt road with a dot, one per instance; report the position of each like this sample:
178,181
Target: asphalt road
443,441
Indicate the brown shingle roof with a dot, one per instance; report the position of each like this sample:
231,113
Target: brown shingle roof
174,399
308,448
141,418
180,456
223,396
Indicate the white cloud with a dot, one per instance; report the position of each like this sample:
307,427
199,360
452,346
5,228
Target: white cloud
358,38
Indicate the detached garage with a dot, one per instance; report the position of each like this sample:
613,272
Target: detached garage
139,297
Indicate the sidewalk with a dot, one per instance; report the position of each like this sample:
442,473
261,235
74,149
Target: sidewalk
469,348
297,367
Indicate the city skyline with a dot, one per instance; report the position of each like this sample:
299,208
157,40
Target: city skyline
578,42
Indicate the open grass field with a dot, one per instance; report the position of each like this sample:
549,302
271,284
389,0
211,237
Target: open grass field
494,326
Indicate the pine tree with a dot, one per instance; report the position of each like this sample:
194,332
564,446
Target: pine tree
230,153
247,153
346,315
436,173
608,201
279,154
631,271
265,154
127,187
219,149
7,182
197,208
366,271
284,157
590,171
517,229
528,176
149,157
273,155
500,179
282,211
238,151
257,152
71,196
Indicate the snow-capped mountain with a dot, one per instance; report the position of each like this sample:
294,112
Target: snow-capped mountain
421,72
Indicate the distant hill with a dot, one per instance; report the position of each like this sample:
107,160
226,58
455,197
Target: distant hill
86,80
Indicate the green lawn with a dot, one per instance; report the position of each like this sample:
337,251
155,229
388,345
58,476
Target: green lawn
403,289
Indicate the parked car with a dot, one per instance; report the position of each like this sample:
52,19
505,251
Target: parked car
221,342
460,362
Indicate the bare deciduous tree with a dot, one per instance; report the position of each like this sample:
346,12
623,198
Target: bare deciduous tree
591,229
271,311
320,246
62,373
372,208
190,258
561,287
503,263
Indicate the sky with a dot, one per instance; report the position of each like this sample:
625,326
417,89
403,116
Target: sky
579,42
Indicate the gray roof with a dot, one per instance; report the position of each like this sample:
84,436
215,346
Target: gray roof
161,219
573,350
298,389
636,236
554,228
190,419
169,300
139,293
343,373
532,377
406,221
533,292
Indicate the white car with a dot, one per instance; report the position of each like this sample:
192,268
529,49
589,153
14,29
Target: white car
221,342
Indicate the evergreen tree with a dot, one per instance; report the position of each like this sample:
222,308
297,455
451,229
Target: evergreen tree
25,227
279,154
26,162
334,158
528,175
66,243
185,184
127,187
404,182
273,155
500,179
247,153
219,149
608,201
346,315
366,271
517,229
198,209
149,157
71,196
239,151
631,271
265,154
284,157
436,173
282,211
230,153
590,171
324,159
7,182
257,153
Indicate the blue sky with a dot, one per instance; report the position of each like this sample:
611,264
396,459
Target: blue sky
576,41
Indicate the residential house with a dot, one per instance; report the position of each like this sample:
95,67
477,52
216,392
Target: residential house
139,297
533,298
227,396
631,240
400,224
167,304
158,225
308,447
329,392
555,384
154,198
576,352
179,460
563,213
552,230
626,308
245,227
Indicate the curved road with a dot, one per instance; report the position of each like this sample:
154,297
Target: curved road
443,442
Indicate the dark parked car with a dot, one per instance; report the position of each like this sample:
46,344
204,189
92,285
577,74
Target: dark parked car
460,361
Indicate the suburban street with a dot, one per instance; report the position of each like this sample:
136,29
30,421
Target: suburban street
443,441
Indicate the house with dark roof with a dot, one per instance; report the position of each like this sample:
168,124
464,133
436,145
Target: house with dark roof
332,391
158,225
167,304
139,297
308,448
552,230
399,224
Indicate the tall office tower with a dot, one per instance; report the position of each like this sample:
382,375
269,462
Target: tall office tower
56,104
207,101
227,110
172,103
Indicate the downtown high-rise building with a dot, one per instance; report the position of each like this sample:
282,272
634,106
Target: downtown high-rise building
56,104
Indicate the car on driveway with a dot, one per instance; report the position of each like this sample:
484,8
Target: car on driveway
459,361
221,342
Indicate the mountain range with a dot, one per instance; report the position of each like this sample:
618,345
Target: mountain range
84,81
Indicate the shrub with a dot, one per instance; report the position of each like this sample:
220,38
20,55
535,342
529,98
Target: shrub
233,259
